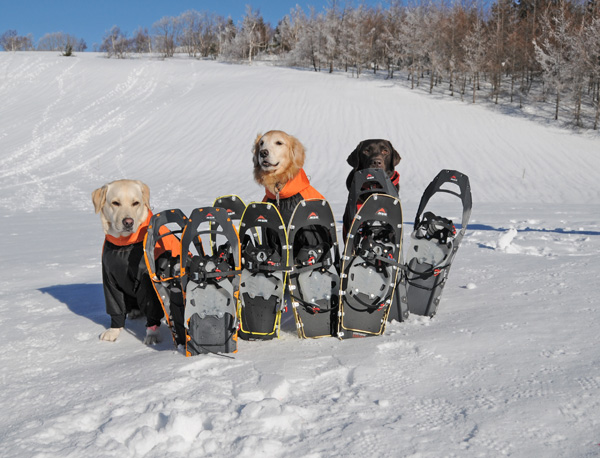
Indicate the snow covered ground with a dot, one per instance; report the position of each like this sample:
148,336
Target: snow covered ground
509,366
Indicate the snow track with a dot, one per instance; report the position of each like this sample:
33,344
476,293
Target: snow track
508,367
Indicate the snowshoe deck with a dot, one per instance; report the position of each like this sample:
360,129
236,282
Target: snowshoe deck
370,267
314,278
165,269
210,282
264,251
433,245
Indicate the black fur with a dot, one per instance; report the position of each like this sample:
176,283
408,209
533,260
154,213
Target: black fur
373,154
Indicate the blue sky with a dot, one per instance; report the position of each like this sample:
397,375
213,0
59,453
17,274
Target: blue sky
90,19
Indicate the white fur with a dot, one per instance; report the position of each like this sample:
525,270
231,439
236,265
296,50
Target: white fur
110,335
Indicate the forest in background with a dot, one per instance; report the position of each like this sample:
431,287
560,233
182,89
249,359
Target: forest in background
526,52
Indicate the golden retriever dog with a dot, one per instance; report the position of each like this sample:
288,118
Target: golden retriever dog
124,207
278,160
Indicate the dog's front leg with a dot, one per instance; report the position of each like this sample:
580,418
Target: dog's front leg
110,335
152,335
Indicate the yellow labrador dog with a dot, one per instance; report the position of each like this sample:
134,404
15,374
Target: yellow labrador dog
124,207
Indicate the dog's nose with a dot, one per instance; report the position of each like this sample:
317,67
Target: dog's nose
377,163
127,223
263,153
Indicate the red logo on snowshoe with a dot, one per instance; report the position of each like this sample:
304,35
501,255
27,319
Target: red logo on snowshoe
382,212
210,216
453,178
230,212
313,215
262,219
370,177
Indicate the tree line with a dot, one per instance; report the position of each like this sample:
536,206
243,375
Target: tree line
501,52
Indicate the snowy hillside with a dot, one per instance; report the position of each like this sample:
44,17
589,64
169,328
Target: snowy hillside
509,366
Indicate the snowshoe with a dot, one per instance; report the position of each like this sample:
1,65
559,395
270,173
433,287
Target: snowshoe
370,267
314,277
433,245
210,282
233,204
365,183
264,251
164,267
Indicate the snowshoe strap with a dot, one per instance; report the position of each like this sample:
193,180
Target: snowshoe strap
217,267
370,307
435,227
310,307
262,259
312,258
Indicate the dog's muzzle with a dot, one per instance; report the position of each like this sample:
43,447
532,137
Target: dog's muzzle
127,224
377,163
264,163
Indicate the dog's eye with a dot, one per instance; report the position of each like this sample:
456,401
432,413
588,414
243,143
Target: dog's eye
135,204
279,143
116,204
385,152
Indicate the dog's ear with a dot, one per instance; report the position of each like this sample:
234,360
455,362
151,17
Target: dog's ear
395,156
256,149
298,152
99,197
145,194
353,158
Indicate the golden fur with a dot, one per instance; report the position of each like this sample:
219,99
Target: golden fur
278,157
120,202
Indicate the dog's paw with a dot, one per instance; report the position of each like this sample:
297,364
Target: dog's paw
134,314
152,335
110,335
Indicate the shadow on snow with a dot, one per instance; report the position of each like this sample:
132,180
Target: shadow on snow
87,300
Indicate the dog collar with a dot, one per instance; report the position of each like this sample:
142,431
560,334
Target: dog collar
136,237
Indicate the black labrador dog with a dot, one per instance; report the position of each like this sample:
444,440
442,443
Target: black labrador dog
372,154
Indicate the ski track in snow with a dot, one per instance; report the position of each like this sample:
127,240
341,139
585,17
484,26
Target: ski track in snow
508,367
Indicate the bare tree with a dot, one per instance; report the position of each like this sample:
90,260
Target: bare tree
115,43
166,35
141,41
308,46
390,38
288,32
555,51
474,47
591,38
59,41
191,32
226,33
12,41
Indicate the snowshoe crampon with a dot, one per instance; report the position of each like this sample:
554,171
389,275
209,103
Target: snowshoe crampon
314,277
264,251
210,282
433,245
162,257
370,267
